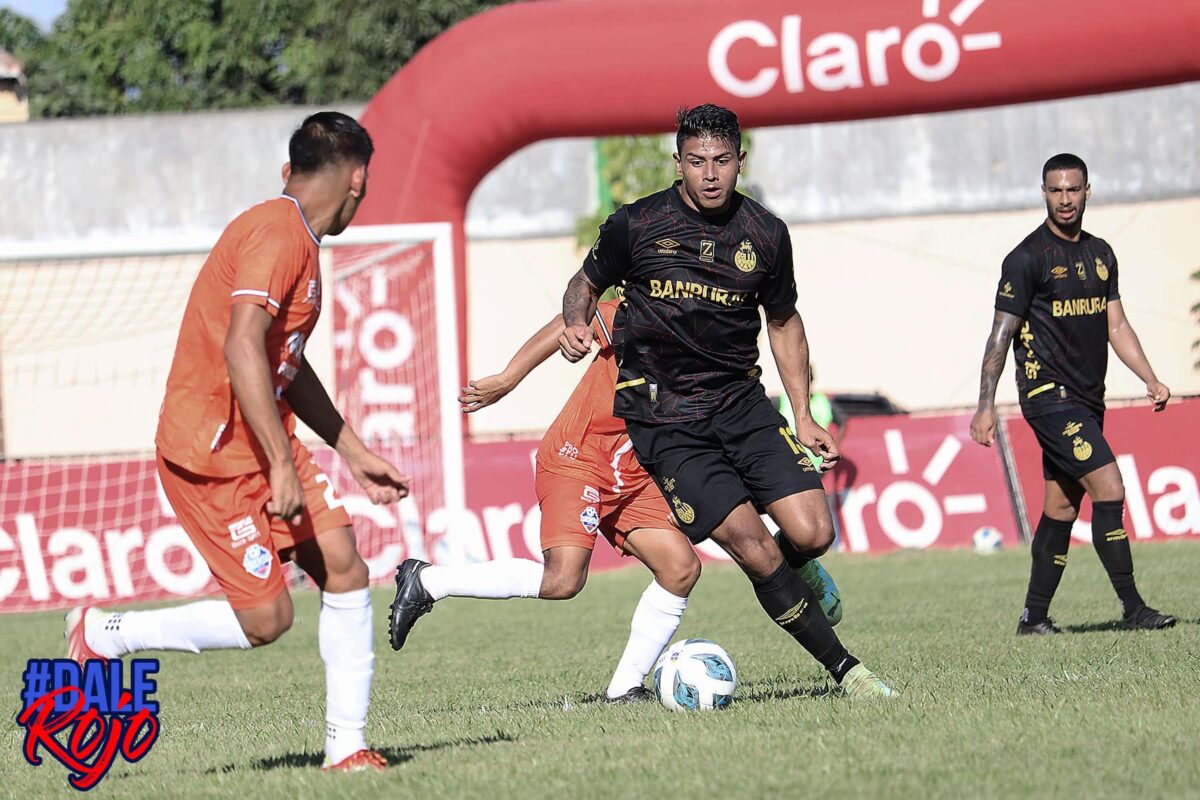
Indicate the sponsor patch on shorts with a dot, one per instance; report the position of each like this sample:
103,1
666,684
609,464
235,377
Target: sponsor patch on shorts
257,561
590,494
242,531
590,519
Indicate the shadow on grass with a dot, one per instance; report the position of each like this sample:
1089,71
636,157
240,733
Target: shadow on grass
1116,625
750,694
394,755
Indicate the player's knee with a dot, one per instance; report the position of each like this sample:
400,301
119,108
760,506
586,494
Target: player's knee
679,578
349,577
822,538
264,629
561,585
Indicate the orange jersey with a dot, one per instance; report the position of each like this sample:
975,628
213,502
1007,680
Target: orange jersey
586,441
267,256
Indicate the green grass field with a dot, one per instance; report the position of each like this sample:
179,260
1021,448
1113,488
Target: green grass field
489,699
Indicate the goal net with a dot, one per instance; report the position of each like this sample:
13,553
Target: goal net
87,333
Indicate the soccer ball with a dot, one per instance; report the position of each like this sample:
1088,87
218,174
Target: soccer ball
987,541
693,675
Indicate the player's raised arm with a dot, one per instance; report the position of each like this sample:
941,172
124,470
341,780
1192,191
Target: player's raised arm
250,376
983,424
1128,347
308,398
483,392
789,346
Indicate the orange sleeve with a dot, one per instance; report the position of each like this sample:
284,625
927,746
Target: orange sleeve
266,266
602,321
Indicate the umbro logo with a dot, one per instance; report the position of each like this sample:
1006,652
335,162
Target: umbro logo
667,247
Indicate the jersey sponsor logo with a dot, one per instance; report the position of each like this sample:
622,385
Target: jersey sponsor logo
1081,449
590,494
1006,291
667,247
314,293
1079,307
1027,336
1101,270
1059,272
1072,428
832,61
745,258
685,290
708,250
1032,368
589,518
1081,270
569,450
257,561
669,484
242,531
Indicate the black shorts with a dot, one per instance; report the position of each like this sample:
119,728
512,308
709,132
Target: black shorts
1072,440
708,467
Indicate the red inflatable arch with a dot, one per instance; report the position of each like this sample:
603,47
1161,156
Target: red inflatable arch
539,70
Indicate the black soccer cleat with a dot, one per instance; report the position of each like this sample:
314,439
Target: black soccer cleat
411,603
1147,619
638,694
1044,628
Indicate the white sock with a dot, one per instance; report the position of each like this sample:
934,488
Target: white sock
655,621
493,580
206,625
344,633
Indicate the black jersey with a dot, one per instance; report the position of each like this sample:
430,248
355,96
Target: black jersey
1061,290
687,333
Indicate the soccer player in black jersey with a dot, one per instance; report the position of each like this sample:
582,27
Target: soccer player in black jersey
697,260
1058,297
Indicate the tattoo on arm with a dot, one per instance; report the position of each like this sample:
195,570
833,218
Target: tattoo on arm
579,300
1004,327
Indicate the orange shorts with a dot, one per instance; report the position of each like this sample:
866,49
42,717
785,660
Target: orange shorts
227,521
573,510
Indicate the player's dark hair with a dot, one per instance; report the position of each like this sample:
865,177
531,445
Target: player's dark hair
707,122
328,137
1064,161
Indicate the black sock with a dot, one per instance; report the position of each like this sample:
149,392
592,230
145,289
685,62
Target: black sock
790,601
794,558
1049,550
1112,545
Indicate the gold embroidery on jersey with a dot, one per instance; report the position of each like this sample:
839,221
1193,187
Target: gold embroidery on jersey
627,384
1027,336
1082,449
1072,428
1101,270
1031,369
1007,291
1059,272
1080,270
1079,307
708,250
745,258
682,510
1043,388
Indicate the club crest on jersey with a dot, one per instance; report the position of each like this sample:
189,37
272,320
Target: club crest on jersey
667,247
1059,272
1101,270
1072,428
683,511
708,250
1082,449
590,494
257,561
589,518
745,258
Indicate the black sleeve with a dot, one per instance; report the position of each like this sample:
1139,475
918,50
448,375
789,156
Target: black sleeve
1017,283
1114,293
779,295
609,260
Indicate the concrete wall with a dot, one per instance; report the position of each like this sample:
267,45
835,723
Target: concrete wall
899,227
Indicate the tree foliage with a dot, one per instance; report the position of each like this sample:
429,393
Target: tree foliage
120,56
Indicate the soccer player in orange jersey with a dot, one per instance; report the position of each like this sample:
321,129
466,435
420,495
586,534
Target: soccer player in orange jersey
587,481
243,487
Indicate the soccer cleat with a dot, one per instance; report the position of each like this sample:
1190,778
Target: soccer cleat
1044,628
638,694
411,603
861,682
822,583
77,646
1147,619
359,761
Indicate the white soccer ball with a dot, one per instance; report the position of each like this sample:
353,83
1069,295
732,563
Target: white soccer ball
987,541
693,675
